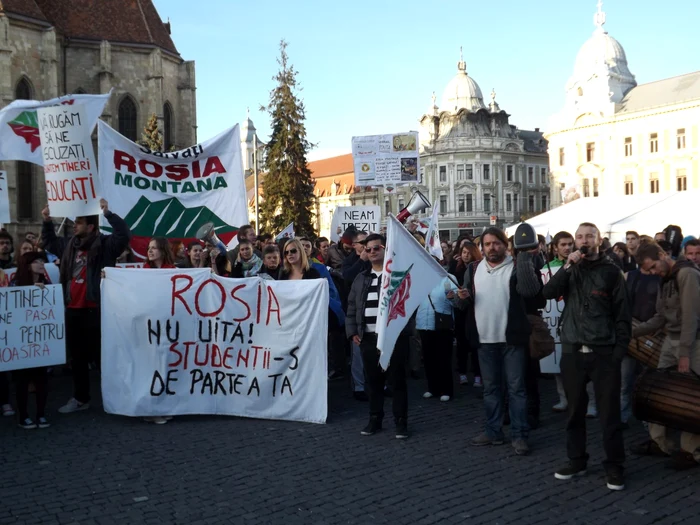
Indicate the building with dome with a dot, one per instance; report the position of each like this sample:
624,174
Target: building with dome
478,167
614,137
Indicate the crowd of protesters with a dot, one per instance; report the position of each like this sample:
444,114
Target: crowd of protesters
478,327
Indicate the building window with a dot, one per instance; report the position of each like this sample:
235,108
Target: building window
680,138
509,202
487,171
487,203
515,203
629,186
543,176
543,202
387,206
460,172
168,127
586,188
681,180
530,175
590,151
531,203
25,171
443,174
460,204
654,183
443,203
654,143
595,186
127,118
509,173
562,156
628,146
470,202
401,204
470,172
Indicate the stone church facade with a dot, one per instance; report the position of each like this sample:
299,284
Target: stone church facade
50,48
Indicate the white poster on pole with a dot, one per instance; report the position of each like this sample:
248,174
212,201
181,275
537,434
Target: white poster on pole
363,218
386,159
194,343
72,185
4,199
32,329
551,315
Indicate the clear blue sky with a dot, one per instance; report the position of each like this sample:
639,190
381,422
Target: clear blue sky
371,67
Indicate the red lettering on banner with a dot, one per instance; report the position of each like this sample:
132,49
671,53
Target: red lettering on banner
270,310
233,296
177,172
124,160
221,305
177,294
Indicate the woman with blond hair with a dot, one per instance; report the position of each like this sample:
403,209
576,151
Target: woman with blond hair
296,264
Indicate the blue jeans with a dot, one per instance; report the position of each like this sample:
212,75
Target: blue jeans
503,365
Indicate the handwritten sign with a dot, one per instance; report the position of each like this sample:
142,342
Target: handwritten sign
194,343
551,315
69,161
32,328
51,272
386,159
364,218
4,199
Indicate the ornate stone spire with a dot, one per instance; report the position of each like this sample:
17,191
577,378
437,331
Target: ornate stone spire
461,65
494,105
599,17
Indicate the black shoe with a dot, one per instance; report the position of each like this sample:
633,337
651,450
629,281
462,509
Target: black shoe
615,478
27,424
360,395
681,460
42,422
335,375
648,448
374,426
401,429
571,470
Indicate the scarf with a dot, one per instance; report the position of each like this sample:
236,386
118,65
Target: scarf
252,266
75,245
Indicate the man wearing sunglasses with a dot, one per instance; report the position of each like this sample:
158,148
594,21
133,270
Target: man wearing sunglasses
361,328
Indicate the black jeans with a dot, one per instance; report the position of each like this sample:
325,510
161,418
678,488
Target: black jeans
463,346
376,378
437,359
23,377
603,370
4,388
83,344
532,388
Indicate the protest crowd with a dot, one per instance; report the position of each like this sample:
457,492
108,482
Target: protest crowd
480,325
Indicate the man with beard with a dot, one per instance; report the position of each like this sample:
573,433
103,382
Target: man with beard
6,249
338,252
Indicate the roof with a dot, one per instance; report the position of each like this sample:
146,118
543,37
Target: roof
669,91
332,166
534,141
333,176
121,21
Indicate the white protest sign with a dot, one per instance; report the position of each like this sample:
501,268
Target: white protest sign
32,329
130,265
386,159
69,161
551,315
363,218
194,343
4,199
50,270
287,233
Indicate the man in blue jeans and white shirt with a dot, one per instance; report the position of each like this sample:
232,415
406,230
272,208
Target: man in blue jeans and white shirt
495,293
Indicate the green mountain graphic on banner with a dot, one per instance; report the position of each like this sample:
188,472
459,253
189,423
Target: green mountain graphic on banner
169,218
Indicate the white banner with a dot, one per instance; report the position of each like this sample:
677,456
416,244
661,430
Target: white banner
287,233
195,343
551,315
173,194
386,159
69,161
363,218
409,274
19,124
4,199
432,237
51,271
32,329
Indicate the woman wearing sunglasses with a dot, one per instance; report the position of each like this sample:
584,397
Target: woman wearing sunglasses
296,264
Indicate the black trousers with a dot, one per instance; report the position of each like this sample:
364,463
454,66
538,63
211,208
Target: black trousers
532,388
464,349
376,378
603,370
4,388
437,359
83,343
22,378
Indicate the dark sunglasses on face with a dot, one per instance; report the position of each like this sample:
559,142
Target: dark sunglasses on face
293,251
371,249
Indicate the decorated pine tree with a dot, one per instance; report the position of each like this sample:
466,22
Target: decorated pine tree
287,187
151,137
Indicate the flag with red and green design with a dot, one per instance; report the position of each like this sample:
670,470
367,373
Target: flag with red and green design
19,126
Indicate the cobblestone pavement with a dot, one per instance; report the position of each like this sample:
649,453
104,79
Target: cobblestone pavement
91,467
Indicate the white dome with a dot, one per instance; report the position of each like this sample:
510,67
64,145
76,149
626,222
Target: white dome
462,92
599,53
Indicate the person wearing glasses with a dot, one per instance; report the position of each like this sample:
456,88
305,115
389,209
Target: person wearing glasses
296,264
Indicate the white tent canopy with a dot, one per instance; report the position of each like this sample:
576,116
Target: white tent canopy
646,214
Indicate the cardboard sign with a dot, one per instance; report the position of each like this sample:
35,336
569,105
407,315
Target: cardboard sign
381,160
363,218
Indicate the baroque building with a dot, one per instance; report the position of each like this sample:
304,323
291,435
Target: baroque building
50,48
614,137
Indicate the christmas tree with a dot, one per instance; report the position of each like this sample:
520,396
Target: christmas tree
151,137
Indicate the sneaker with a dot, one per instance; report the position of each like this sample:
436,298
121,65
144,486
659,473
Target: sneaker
157,420
427,395
401,429
73,405
7,410
477,382
444,398
615,479
648,448
43,422
334,375
571,471
562,406
521,448
374,426
483,439
463,379
27,424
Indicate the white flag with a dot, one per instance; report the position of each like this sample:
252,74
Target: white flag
432,238
409,274
287,233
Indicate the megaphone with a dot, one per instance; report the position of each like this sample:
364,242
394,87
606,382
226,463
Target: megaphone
206,233
417,204
525,237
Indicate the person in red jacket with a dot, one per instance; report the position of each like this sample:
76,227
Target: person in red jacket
159,254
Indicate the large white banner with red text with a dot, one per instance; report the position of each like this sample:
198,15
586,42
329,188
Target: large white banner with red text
194,343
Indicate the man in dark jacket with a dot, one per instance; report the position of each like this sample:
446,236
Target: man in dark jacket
498,294
360,327
83,257
595,333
